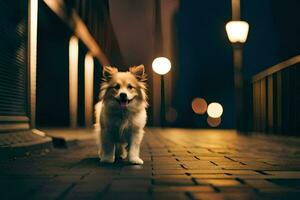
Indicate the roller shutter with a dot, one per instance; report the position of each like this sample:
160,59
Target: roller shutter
13,65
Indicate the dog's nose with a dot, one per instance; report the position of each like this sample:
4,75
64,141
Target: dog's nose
123,96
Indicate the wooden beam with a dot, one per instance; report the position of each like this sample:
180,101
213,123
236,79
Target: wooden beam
80,29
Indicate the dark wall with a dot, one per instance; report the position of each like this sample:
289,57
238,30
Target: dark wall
52,70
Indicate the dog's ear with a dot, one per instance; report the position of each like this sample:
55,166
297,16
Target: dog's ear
138,72
108,71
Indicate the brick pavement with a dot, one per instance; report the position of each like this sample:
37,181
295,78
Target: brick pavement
179,164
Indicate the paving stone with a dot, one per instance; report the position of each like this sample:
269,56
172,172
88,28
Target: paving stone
227,163
167,162
198,188
241,172
66,179
218,182
285,174
202,167
87,186
167,195
82,195
169,172
52,190
171,176
291,183
186,158
192,166
279,195
136,173
212,158
236,189
261,184
223,196
205,171
212,176
126,195
130,185
173,181
171,166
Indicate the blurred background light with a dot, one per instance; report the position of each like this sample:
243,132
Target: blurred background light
214,110
213,122
88,88
199,105
161,65
73,80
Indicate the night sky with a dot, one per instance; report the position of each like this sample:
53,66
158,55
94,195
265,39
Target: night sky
206,54
205,59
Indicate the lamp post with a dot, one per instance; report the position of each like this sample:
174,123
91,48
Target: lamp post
237,32
162,66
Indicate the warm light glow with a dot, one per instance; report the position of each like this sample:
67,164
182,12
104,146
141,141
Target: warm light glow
199,106
88,88
32,57
171,115
237,31
214,110
73,80
161,65
213,122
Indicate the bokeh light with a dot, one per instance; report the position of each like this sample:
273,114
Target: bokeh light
199,105
214,110
171,115
161,65
214,122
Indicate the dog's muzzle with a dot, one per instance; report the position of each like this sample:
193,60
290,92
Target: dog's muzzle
123,100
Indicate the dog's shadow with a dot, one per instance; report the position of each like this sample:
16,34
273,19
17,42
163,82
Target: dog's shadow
94,162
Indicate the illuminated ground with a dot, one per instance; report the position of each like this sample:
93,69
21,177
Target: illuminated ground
179,164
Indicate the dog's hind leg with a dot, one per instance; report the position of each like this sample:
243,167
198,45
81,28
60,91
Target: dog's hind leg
134,148
123,151
108,148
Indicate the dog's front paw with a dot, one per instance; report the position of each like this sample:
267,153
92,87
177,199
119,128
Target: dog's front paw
107,159
136,161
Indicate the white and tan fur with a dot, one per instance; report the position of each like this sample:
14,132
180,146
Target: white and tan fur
121,120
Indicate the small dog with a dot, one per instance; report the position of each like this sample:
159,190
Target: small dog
121,114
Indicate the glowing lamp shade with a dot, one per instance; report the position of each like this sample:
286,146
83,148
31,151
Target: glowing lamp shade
214,110
161,65
237,31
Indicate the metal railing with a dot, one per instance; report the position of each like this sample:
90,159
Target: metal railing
276,98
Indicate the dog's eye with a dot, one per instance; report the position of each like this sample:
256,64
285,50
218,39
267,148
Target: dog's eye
117,86
129,86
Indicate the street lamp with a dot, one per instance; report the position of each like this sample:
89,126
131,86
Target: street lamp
162,66
237,32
